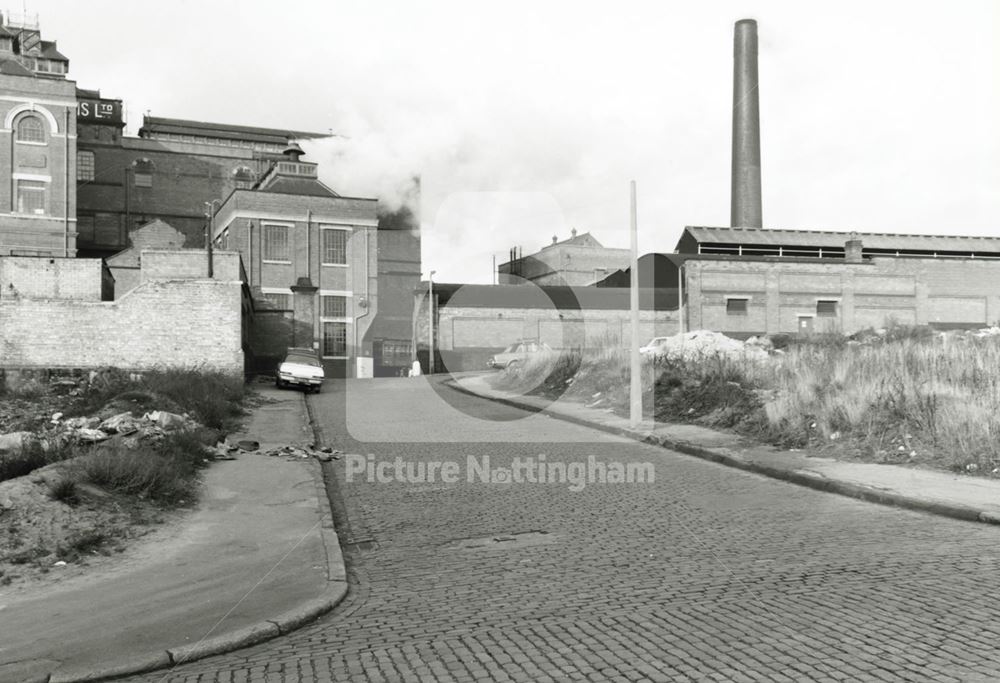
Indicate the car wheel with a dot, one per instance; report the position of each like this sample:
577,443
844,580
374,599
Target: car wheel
277,383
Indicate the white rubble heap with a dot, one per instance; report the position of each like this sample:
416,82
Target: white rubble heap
701,344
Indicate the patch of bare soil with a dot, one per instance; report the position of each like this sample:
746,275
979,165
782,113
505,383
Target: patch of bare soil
43,539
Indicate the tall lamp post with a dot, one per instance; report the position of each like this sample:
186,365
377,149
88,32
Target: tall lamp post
430,322
210,228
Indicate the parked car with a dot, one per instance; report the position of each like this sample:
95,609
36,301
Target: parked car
654,346
517,353
302,368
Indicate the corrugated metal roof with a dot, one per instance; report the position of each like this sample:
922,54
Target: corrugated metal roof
824,238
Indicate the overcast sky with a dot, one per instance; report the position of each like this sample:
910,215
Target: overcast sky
527,119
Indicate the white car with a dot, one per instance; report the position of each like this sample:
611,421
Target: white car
301,367
654,346
517,353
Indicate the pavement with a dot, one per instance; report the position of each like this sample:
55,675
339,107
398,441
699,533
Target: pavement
951,495
258,557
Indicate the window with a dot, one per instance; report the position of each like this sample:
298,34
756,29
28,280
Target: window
334,247
276,243
84,166
334,339
277,301
30,129
827,309
143,172
31,196
395,353
334,306
736,306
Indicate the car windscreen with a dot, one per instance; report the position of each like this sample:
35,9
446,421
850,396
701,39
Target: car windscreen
301,359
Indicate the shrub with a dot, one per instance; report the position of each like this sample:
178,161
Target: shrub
64,490
166,473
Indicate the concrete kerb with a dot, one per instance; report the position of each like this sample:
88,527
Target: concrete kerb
281,624
732,459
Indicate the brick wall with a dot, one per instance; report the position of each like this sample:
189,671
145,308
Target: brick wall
35,277
46,233
184,323
188,263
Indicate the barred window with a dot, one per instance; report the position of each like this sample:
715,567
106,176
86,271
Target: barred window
276,243
280,301
334,339
30,129
333,306
31,196
84,165
334,247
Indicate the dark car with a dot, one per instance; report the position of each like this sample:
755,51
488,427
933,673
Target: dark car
301,368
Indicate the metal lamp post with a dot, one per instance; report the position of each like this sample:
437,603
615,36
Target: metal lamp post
430,322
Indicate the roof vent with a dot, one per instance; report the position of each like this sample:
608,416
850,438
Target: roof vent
293,151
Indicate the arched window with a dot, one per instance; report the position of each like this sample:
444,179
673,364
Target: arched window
30,129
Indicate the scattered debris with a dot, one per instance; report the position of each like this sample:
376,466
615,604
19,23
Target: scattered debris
249,446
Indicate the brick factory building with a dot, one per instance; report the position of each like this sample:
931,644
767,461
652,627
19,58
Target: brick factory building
311,259
745,281
38,155
170,172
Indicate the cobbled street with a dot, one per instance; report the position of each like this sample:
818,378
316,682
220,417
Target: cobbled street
708,574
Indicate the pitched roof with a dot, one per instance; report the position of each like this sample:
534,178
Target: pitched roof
829,238
49,51
561,297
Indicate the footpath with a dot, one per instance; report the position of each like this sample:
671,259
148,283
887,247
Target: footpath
256,558
951,495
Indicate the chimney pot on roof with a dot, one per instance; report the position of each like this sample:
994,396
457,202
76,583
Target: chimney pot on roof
852,249
573,232
554,239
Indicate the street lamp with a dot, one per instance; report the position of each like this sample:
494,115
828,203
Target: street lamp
210,228
430,322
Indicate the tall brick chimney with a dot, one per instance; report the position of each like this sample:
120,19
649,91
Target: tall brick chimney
745,199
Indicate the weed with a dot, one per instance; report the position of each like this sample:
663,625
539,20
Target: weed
64,490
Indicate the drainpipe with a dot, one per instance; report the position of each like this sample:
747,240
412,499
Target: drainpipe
367,306
66,189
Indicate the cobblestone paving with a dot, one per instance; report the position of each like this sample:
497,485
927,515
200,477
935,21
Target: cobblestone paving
710,574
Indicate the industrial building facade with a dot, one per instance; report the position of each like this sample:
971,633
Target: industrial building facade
744,281
37,144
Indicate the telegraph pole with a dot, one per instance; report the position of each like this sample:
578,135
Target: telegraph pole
635,384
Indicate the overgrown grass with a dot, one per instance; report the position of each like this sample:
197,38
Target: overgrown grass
905,395
165,472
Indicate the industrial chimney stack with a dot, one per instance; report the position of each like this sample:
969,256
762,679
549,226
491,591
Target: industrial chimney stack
745,200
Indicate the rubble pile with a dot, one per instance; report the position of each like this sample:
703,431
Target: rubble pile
702,344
